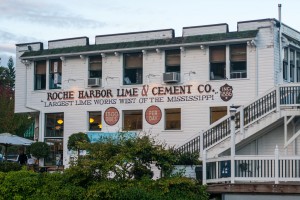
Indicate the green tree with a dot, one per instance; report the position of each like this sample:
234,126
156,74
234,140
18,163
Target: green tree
126,158
76,140
11,75
9,121
40,150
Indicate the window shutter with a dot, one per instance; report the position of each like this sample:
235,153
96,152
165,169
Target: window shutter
218,54
173,58
238,52
133,61
40,67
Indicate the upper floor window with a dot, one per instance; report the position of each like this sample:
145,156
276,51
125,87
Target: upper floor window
217,62
172,60
292,65
95,67
298,66
95,123
54,125
238,61
40,75
285,63
55,74
173,119
132,120
133,68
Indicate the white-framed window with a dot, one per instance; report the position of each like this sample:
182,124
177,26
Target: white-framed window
95,66
285,64
95,121
55,74
172,60
238,61
132,120
217,58
40,75
173,119
217,113
235,65
133,68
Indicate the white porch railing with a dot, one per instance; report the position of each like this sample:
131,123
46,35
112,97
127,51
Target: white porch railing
256,168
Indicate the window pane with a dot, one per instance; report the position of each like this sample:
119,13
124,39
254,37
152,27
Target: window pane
132,120
173,119
218,54
217,113
95,122
95,67
55,74
54,125
238,61
133,68
56,152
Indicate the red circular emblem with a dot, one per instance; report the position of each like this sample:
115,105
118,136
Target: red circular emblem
111,116
153,115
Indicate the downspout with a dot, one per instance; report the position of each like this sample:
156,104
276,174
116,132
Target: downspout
257,72
280,47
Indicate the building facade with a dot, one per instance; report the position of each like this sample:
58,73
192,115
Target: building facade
179,89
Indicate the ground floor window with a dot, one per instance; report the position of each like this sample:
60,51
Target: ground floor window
132,120
95,123
54,123
173,119
217,113
56,152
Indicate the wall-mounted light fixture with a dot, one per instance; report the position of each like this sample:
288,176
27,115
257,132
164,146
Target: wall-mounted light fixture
251,43
202,47
157,50
26,62
144,52
182,49
117,53
82,57
103,55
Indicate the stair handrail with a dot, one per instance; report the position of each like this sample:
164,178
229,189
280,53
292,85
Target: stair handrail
220,129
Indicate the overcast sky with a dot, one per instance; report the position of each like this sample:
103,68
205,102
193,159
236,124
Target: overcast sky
23,21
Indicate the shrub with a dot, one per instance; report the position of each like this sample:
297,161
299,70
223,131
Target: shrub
76,140
40,150
187,158
9,166
19,185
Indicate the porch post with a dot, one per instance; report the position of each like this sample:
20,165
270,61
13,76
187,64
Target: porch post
201,143
204,166
232,135
276,165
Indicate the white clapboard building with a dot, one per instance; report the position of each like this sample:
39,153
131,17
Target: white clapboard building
179,89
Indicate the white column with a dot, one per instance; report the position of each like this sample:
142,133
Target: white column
232,154
204,167
276,165
201,144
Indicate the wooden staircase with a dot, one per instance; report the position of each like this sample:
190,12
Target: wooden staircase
250,119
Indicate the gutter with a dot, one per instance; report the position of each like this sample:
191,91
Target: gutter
138,48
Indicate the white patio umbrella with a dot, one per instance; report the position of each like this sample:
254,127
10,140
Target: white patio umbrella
7,139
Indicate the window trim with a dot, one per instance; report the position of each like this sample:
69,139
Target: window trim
180,120
128,77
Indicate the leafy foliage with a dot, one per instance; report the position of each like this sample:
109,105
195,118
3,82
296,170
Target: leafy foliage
187,158
9,166
125,158
40,150
9,121
76,140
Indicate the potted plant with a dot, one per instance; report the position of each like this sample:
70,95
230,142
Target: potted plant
40,150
